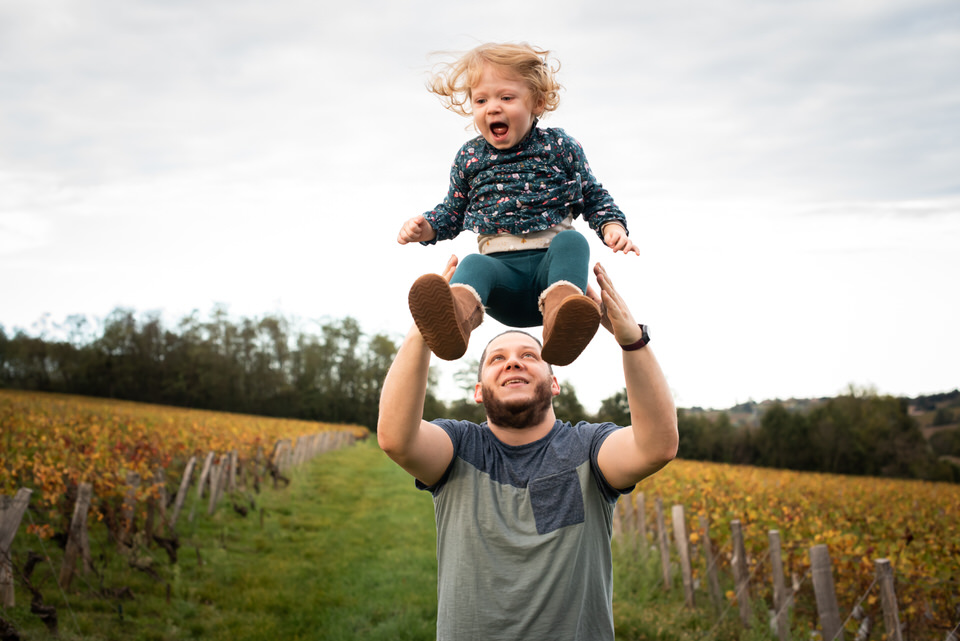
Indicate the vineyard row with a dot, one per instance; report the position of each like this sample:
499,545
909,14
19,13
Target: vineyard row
630,528
131,527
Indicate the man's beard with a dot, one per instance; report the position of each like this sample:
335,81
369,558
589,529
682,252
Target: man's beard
519,414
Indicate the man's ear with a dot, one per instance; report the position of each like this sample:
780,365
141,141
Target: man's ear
478,393
555,386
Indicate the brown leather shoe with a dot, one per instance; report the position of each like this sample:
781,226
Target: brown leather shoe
570,321
445,315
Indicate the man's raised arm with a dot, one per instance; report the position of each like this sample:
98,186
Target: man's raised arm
632,454
421,448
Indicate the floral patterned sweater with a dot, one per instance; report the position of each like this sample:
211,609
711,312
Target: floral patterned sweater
531,187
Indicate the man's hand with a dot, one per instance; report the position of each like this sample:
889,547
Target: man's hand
615,237
615,316
416,230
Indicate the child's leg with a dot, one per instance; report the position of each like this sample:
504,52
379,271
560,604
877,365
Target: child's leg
570,319
567,259
505,282
480,272
446,314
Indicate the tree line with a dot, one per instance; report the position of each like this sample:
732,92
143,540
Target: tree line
332,371
327,371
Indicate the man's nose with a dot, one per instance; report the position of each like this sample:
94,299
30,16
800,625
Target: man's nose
513,362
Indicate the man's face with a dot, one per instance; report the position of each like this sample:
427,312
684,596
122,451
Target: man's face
516,385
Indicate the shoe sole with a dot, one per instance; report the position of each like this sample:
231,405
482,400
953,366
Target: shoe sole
573,329
432,306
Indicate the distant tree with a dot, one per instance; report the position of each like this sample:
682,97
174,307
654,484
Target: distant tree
946,443
467,375
614,409
378,358
943,416
466,409
432,406
721,440
782,439
862,433
693,426
567,406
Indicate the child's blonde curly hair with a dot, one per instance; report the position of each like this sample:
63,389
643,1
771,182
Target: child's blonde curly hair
453,81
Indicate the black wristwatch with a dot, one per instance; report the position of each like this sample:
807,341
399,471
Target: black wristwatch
644,339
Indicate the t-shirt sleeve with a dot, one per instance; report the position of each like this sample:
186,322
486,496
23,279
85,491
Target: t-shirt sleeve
603,430
455,430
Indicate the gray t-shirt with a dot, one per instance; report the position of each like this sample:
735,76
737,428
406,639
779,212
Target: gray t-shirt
523,537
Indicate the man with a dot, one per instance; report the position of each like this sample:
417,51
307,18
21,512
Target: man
524,503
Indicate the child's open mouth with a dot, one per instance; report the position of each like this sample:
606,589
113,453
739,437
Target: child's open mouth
498,129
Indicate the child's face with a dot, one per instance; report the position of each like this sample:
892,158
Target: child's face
503,107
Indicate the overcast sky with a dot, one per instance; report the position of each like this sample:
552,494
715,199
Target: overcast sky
790,170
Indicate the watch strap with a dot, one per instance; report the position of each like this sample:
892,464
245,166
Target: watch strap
644,339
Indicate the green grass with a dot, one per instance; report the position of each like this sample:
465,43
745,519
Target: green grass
644,611
346,552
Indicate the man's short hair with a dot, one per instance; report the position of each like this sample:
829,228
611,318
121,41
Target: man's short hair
483,356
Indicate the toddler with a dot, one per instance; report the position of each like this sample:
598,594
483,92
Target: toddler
519,187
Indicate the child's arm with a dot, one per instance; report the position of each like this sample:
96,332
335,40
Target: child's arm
416,230
599,209
446,220
615,237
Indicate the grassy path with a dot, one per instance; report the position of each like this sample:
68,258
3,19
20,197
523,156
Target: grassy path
346,552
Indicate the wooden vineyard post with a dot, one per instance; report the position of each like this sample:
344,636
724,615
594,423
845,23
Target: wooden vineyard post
664,544
888,598
130,507
157,502
217,474
741,574
629,523
296,454
281,457
713,579
781,601
11,513
683,548
204,474
78,543
642,524
182,492
233,471
825,592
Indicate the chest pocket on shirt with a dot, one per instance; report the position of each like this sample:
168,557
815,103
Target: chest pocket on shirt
557,501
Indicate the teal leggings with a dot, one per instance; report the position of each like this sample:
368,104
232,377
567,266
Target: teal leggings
510,283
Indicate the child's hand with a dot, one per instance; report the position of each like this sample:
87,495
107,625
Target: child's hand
615,237
416,230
